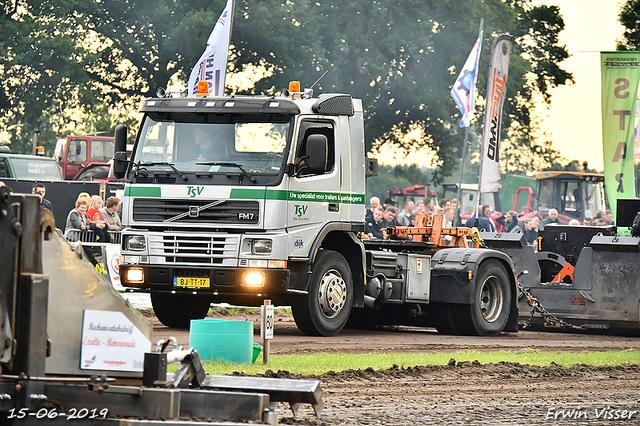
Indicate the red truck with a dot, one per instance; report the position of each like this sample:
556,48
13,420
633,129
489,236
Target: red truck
84,157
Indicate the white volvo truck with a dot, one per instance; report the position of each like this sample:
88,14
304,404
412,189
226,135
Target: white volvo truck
271,206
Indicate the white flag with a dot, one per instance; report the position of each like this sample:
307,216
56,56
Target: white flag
463,91
496,93
212,65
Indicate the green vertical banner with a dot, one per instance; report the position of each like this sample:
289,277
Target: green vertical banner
620,75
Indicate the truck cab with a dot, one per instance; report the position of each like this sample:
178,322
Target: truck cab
84,157
575,195
243,215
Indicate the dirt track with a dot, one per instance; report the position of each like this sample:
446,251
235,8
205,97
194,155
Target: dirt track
461,393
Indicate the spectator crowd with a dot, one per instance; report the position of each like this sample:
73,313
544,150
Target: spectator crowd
380,216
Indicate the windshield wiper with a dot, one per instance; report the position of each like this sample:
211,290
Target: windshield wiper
239,166
162,163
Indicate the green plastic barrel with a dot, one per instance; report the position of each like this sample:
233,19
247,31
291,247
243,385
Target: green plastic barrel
217,339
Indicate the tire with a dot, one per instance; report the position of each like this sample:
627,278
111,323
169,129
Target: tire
177,310
324,311
444,318
489,313
98,172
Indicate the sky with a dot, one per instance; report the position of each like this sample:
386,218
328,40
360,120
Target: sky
573,121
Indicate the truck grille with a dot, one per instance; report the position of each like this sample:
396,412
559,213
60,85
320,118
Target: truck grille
193,249
196,211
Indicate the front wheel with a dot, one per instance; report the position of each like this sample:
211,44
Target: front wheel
177,310
488,314
324,311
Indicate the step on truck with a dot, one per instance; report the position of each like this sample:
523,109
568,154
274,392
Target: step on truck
241,199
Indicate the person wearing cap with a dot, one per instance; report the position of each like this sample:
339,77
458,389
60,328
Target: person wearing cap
389,202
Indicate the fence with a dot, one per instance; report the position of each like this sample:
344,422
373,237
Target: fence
88,237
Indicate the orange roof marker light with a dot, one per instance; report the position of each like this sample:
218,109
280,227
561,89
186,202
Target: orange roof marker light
294,87
203,88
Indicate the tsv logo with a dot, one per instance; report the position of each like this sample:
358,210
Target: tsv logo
300,210
298,243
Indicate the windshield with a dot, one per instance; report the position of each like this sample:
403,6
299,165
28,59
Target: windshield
194,142
36,169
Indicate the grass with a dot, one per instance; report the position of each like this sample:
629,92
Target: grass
323,362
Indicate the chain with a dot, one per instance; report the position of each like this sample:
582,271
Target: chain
548,317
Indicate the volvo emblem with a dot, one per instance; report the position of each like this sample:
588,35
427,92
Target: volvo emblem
194,211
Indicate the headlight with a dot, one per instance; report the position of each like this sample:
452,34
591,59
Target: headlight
254,279
261,246
135,243
134,275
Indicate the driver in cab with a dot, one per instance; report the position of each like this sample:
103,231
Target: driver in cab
214,143
205,145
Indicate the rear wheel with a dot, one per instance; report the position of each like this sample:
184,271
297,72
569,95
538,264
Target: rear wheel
177,310
488,314
325,310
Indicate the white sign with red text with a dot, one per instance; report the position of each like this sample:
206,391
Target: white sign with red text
110,341
112,255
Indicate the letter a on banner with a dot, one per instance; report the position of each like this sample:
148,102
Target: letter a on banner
620,75
496,93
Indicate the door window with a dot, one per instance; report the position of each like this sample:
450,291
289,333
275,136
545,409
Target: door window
308,128
77,151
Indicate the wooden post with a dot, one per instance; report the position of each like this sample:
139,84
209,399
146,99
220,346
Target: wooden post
35,142
266,329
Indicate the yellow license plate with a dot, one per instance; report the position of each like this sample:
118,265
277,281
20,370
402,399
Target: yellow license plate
190,282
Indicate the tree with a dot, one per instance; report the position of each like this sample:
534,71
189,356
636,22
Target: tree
401,59
83,65
629,17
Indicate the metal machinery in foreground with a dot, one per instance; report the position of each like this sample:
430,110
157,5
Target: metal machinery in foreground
45,290
583,277
240,199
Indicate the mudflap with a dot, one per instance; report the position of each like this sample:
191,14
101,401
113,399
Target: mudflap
453,278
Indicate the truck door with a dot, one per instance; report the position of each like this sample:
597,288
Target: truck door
76,157
314,197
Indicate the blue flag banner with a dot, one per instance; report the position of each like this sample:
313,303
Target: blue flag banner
212,65
463,91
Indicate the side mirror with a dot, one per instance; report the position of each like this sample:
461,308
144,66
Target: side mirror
317,147
120,151
372,167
